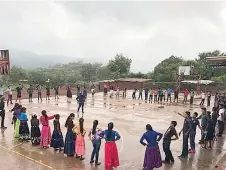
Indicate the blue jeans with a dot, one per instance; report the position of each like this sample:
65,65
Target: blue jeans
96,149
192,140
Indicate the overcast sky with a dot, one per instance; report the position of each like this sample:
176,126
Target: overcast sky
147,32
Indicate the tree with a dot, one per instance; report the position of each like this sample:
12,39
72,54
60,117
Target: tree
89,71
119,66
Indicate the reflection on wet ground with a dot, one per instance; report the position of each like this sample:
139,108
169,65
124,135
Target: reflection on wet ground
129,116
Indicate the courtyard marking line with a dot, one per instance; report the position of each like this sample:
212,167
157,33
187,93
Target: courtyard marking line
27,157
15,146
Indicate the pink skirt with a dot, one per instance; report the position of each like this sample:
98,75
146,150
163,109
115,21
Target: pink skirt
111,156
45,136
80,145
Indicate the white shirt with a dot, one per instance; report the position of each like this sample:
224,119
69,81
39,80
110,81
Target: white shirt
203,96
221,115
9,91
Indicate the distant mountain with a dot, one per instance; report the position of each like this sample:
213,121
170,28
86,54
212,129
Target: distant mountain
27,59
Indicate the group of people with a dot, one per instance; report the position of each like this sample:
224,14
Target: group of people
74,142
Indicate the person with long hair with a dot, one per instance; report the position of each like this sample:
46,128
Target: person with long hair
57,141
94,136
152,158
45,133
111,151
24,133
80,132
14,118
17,123
35,130
69,144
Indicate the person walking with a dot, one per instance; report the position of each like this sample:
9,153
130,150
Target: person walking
81,100
152,158
171,131
186,133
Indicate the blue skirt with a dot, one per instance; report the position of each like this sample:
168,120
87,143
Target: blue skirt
69,147
57,140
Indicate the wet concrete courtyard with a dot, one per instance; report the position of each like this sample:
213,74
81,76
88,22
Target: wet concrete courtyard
130,118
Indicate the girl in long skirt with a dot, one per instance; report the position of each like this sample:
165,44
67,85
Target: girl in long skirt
35,131
69,147
17,122
111,151
45,133
24,133
152,157
80,132
94,136
57,141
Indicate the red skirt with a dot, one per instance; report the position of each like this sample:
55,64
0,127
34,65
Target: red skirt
111,155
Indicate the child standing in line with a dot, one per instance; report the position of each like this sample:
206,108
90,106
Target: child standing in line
35,131
57,141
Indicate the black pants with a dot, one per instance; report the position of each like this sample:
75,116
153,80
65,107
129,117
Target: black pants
185,99
2,114
150,98
166,149
140,96
30,97
160,98
191,100
134,95
81,105
208,102
176,97
169,97
124,94
146,96
202,102
221,127
185,145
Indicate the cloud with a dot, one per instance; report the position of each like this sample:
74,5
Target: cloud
147,32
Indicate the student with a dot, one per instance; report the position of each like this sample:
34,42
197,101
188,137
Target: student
17,123
195,123
18,90
186,133
171,131
146,94
69,145
2,112
46,132
208,99
56,89
81,100
160,95
10,95
39,90
140,93
57,141
80,132
203,96
47,92
155,95
30,92
169,92
111,151
152,157
151,92
124,93
204,121
220,121
117,92
192,94
209,132
24,133
176,95
214,117
94,136
134,94
35,131
186,92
